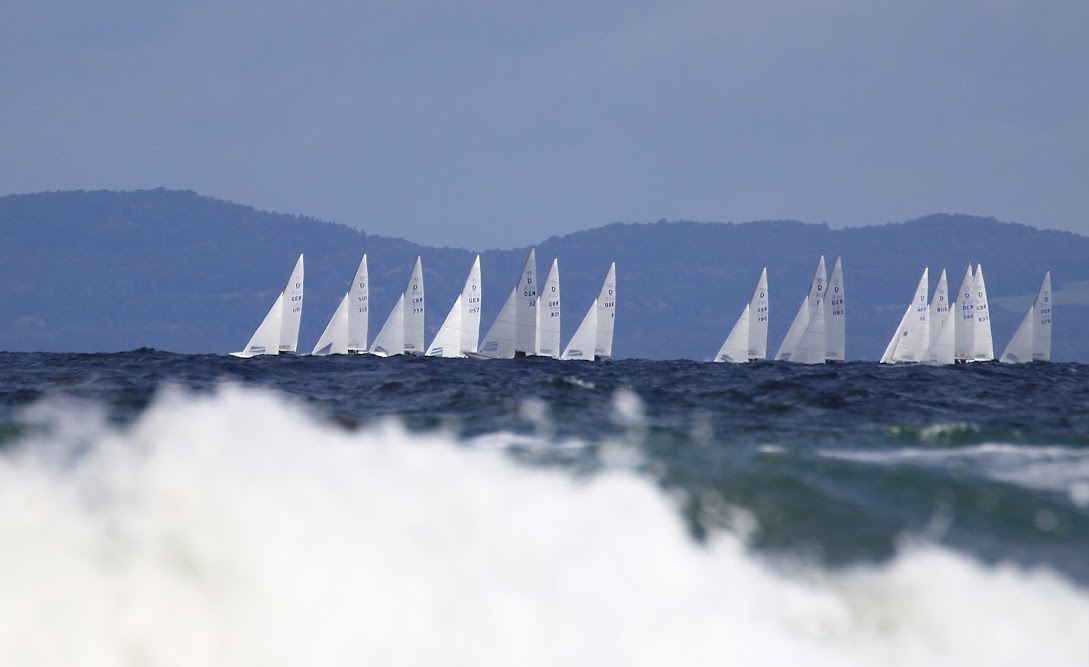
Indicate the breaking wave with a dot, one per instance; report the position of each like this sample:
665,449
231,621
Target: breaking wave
234,528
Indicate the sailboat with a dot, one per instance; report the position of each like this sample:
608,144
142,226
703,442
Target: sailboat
346,332
1032,340
973,341
836,316
548,314
594,338
278,333
964,332
942,323
748,339
982,344
414,310
606,315
912,337
460,330
403,331
514,332
805,341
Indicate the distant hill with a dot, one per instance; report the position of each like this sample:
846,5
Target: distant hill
107,271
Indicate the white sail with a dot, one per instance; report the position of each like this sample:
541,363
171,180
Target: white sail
982,344
347,329
1032,340
965,318
266,340
447,342
794,334
1041,329
359,309
836,315
293,304
758,319
606,314
515,329
390,340
816,288
470,309
548,314
414,310
1019,351
736,348
942,321
889,355
804,326
334,340
525,334
912,337
582,344
812,347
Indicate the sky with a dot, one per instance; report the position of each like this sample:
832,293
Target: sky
487,124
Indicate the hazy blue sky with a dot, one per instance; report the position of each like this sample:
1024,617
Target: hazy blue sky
496,123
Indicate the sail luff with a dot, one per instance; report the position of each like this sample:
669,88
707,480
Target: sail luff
359,309
470,309
548,314
606,315
965,318
942,322
414,311
758,319
982,344
836,314
1041,330
509,331
292,315
525,323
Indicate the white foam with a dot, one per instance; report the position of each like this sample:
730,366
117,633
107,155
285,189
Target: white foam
1044,467
236,530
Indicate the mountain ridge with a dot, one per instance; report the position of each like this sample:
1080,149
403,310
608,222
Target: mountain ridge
171,269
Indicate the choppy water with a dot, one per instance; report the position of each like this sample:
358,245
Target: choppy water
169,509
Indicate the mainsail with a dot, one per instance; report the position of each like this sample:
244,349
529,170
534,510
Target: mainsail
515,329
912,337
548,314
942,323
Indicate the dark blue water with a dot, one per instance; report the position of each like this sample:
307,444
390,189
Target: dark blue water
837,464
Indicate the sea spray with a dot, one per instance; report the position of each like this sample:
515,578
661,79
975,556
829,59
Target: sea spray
235,528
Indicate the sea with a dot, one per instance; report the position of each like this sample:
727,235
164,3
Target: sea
202,510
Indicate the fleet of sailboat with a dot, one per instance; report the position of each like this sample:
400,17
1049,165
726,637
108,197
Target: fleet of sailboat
946,328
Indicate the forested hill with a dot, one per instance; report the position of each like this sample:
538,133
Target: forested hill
108,271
